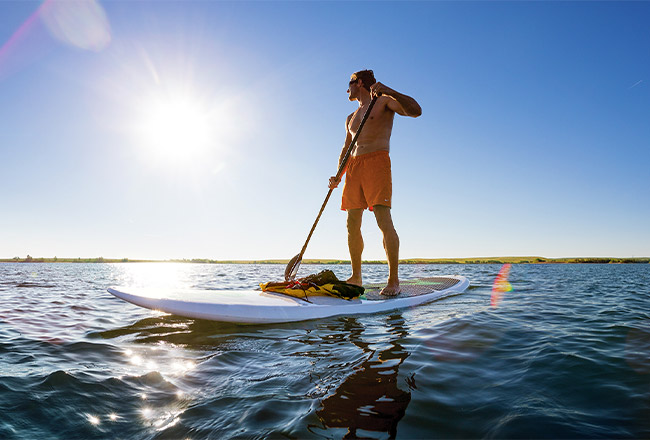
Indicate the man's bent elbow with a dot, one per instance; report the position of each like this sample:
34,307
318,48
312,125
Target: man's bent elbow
416,111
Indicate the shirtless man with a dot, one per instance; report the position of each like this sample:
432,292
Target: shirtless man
368,182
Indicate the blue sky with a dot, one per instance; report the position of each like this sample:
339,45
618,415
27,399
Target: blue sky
533,138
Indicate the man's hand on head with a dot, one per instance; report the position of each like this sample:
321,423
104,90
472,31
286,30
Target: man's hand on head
378,89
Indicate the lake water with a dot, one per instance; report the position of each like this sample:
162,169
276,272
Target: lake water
566,354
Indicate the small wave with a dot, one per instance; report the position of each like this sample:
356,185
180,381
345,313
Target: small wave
27,284
59,379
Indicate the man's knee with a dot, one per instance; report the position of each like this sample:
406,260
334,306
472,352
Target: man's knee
354,221
384,219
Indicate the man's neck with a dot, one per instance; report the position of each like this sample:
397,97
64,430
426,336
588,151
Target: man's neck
364,98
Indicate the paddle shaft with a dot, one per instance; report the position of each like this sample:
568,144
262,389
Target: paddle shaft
339,173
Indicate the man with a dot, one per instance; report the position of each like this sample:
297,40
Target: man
368,181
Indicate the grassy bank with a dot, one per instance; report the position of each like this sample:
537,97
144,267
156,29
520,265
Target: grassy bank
490,260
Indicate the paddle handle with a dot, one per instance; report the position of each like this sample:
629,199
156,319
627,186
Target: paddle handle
342,165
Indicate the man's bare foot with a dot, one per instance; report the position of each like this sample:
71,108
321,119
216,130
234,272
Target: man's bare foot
357,281
391,289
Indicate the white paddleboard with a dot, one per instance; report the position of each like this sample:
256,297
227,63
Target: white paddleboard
257,307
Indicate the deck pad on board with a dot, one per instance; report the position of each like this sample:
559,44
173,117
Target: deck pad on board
417,287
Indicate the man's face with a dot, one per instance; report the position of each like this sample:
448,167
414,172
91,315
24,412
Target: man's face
353,89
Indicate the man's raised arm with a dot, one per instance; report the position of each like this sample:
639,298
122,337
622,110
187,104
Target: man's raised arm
401,104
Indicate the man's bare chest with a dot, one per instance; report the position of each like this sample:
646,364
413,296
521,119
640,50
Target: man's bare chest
377,120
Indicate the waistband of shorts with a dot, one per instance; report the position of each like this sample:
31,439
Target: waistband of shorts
369,155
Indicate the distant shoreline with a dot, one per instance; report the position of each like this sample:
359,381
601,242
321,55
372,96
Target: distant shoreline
484,260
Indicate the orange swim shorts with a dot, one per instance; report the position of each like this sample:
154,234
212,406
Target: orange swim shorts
368,181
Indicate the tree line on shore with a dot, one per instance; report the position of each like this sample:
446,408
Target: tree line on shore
488,260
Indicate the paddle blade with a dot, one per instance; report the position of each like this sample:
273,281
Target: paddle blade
292,268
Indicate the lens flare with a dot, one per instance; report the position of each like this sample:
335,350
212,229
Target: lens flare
25,46
79,23
82,24
501,285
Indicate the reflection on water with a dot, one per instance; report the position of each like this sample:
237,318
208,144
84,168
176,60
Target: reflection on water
370,400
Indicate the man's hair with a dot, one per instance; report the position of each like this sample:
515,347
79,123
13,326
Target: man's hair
367,76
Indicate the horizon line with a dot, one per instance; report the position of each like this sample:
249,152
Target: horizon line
462,260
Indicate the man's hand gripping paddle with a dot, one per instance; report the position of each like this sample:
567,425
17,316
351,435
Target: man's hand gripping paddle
292,268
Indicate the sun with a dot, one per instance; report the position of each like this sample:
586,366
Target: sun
175,127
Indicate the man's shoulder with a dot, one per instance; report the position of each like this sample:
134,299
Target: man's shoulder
382,102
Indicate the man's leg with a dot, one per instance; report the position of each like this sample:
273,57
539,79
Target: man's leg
391,246
355,244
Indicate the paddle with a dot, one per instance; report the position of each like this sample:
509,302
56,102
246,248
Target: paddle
292,268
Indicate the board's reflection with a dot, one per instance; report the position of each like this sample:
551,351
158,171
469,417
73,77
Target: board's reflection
370,399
